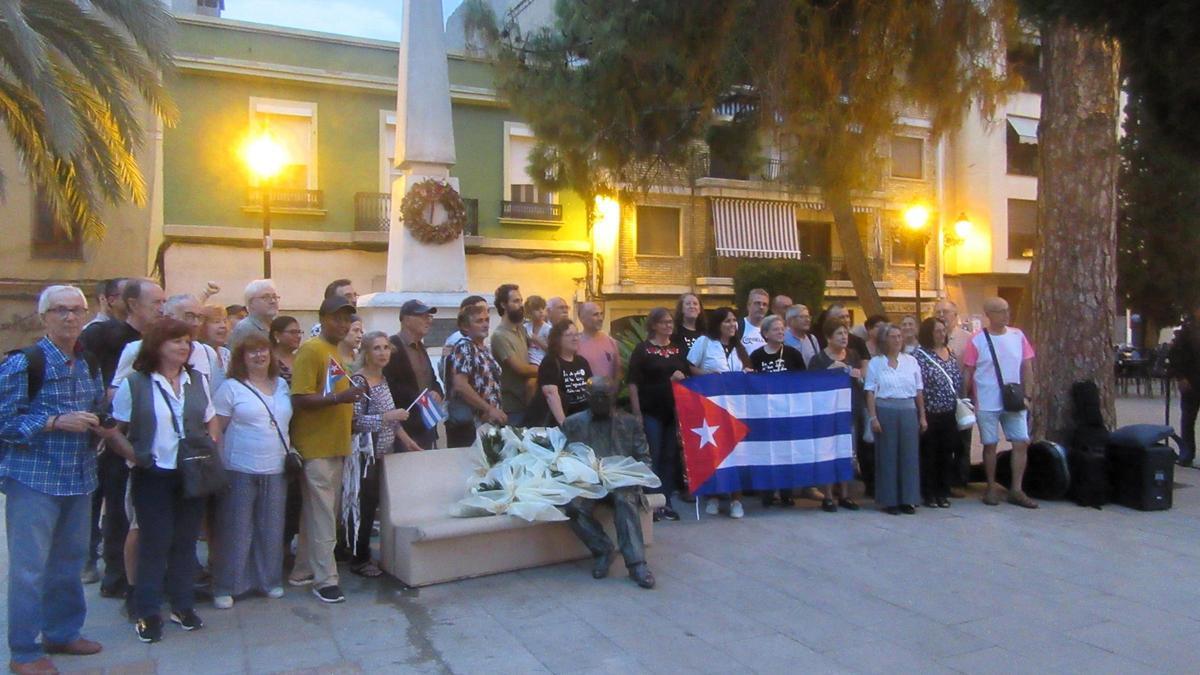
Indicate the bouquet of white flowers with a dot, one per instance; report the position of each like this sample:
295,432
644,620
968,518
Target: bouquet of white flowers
529,473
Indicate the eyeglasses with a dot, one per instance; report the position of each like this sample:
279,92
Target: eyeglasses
268,298
293,331
192,316
64,312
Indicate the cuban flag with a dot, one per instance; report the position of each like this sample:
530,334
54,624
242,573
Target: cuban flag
765,431
333,373
431,412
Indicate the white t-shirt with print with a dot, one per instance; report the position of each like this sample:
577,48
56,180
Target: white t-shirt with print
752,337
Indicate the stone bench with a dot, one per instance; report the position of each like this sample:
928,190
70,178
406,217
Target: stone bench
422,544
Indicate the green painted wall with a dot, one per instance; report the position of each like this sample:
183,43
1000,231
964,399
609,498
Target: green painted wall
205,182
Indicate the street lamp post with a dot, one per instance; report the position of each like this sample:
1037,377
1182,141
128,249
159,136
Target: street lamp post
916,218
265,158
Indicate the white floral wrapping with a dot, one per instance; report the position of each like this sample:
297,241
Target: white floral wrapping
530,474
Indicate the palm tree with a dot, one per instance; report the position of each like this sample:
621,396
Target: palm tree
73,76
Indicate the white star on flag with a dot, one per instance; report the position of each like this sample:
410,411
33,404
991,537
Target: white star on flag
707,434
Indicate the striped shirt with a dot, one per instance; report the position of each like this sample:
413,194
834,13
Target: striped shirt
57,463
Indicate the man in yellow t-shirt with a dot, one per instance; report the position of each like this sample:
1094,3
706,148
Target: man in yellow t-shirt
323,401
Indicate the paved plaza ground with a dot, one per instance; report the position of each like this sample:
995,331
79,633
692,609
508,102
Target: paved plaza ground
970,589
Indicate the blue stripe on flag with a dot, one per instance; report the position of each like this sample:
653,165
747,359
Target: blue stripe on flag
777,477
798,428
772,383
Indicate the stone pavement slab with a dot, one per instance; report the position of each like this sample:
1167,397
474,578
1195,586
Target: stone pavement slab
970,589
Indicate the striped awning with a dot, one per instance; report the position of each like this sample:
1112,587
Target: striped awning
755,228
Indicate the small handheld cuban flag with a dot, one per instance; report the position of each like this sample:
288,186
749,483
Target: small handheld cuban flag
333,373
431,411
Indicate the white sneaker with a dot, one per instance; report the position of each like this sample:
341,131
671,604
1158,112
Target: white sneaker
223,602
735,509
275,593
713,506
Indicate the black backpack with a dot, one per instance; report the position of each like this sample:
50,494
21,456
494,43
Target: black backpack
35,374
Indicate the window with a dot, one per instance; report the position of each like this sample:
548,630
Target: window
1025,61
908,155
658,231
519,142
1022,227
49,240
907,248
1021,146
387,151
816,242
293,124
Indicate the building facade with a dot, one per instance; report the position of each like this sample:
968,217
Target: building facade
330,101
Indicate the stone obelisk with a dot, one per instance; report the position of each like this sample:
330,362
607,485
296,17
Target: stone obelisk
435,274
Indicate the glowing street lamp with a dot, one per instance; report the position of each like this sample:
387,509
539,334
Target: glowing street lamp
265,158
916,220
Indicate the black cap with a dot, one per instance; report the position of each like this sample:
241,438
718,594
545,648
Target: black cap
416,308
334,304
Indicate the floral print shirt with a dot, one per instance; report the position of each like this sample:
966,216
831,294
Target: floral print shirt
482,371
940,396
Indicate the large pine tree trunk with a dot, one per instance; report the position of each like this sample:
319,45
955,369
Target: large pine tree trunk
856,258
1074,268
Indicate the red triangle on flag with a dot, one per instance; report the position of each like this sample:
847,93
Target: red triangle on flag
709,433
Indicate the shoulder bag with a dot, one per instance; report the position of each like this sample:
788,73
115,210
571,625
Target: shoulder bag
964,412
293,461
1012,395
196,459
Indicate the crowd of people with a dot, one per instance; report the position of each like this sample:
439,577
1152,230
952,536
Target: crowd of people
95,416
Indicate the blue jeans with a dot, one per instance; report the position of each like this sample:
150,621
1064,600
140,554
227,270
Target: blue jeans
664,452
168,525
47,548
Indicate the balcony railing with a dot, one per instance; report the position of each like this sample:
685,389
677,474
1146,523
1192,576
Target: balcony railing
771,170
531,211
373,213
287,198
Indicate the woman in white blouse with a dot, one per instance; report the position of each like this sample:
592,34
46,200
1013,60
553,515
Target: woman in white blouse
719,351
896,408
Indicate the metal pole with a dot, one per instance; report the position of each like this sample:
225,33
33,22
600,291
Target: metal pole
265,189
918,303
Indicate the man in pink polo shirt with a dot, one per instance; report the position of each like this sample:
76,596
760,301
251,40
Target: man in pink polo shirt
596,346
1010,355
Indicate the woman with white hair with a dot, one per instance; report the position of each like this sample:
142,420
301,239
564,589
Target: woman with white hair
896,406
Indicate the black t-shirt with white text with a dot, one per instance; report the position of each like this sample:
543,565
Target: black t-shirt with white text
571,378
787,359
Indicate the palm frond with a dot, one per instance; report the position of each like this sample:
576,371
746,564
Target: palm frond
28,57
71,74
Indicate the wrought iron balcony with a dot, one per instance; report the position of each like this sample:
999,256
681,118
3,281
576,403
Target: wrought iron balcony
531,211
287,198
373,213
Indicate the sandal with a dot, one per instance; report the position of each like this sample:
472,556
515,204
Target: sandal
366,569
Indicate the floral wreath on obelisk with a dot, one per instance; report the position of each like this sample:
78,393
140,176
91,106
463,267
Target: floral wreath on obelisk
417,211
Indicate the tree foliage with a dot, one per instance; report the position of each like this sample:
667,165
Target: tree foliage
621,92
803,282
1160,55
72,75
1158,224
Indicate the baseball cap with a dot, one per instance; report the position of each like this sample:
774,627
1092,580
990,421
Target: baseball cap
416,308
334,304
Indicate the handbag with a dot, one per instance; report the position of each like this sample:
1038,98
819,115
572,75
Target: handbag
197,459
964,412
1012,395
293,461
